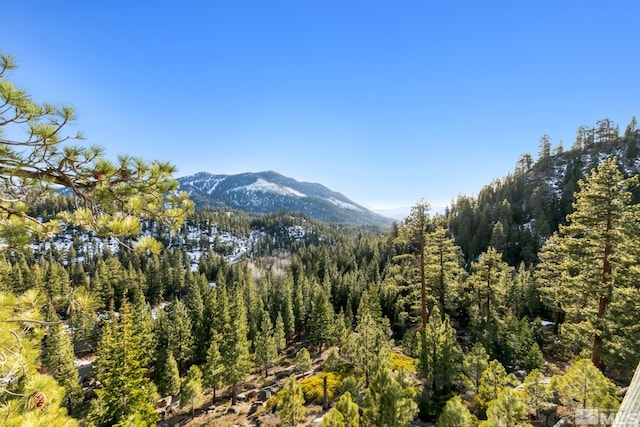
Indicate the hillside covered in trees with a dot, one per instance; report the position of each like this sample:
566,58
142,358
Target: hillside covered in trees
122,306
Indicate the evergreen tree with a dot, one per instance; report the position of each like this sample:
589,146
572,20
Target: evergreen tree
413,233
33,398
585,257
514,341
235,346
179,335
341,331
303,360
111,196
286,311
507,410
265,345
352,385
442,269
369,348
194,304
584,386
389,401
292,408
440,355
345,414
455,414
191,393
279,334
536,395
321,318
81,309
213,371
494,379
534,359
121,363
168,375
488,284
333,418
474,364
58,359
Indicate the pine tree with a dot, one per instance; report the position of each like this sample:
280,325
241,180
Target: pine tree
58,358
191,393
292,408
506,410
121,364
389,401
279,334
455,414
488,284
333,418
111,196
265,345
179,335
81,309
345,414
414,234
584,386
286,310
235,346
474,364
303,360
369,348
321,318
213,371
168,376
534,359
494,379
587,260
33,398
442,269
536,395
440,354
340,331
195,307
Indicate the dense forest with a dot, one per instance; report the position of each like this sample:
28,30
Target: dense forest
122,306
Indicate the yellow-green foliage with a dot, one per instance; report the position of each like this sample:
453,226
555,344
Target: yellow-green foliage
273,402
312,390
399,361
312,387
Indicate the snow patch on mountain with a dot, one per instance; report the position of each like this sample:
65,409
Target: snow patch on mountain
344,205
264,186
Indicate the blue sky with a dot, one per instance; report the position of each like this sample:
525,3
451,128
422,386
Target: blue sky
386,102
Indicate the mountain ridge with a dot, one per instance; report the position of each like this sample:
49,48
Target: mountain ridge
270,192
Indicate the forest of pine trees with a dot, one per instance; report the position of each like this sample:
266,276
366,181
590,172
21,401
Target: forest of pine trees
437,319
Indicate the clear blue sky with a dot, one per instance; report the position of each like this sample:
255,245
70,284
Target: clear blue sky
384,101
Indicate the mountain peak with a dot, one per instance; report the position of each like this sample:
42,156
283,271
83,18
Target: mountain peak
270,192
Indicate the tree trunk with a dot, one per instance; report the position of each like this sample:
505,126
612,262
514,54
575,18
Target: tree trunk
423,291
488,294
234,393
325,405
604,299
442,284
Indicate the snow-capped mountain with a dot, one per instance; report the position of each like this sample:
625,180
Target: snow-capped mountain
270,192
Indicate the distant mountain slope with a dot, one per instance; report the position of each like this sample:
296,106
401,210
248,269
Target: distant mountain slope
517,213
270,192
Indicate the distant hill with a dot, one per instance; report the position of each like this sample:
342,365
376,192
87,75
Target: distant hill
517,213
270,192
